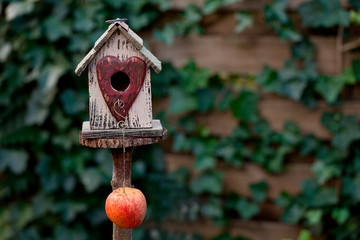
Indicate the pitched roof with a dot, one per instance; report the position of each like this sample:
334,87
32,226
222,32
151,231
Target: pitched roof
150,59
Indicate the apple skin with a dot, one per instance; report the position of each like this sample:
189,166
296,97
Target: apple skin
127,209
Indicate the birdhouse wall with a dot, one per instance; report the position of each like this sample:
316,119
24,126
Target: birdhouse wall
140,114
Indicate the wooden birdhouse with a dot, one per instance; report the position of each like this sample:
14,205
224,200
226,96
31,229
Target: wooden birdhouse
119,80
120,98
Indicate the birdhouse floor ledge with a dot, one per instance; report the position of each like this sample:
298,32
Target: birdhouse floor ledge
118,138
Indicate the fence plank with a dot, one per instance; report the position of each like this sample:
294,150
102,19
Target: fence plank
255,230
250,5
238,180
276,110
239,54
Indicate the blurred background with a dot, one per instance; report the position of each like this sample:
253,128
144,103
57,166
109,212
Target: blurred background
261,99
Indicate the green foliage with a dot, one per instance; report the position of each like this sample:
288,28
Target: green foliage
52,188
244,21
190,20
277,18
324,13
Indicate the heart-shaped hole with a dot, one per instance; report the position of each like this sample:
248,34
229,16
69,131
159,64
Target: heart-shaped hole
120,81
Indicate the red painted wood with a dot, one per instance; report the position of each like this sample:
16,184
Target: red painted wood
119,102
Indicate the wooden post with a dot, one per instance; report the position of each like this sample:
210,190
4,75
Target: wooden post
117,141
121,177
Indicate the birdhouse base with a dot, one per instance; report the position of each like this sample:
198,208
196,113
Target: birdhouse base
118,138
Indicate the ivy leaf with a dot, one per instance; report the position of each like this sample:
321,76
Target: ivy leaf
206,99
323,13
204,162
329,87
346,129
181,102
283,200
72,102
278,19
305,235
348,132
348,76
15,160
180,143
213,208
293,213
351,187
208,182
309,144
258,191
314,216
244,20
165,35
268,79
291,134
318,197
332,121
245,106
324,171
293,80
341,215
193,78
17,9
246,209
192,14
91,179
62,29
210,6
305,50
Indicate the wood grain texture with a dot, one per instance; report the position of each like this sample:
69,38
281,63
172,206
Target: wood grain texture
240,54
140,114
238,180
130,35
255,230
121,142
119,102
276,110
252,5
155,131
121,177
104,37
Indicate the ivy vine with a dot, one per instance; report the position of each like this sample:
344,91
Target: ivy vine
51,188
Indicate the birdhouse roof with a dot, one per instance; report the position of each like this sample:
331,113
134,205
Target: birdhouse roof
150,59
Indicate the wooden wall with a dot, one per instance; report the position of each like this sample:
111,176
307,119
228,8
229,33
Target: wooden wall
222,50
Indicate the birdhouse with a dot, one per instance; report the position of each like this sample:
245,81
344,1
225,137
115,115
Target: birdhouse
120,98
119,80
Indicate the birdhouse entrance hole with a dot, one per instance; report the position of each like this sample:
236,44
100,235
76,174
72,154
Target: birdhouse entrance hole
120,81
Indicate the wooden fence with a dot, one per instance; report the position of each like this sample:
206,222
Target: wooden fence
222,50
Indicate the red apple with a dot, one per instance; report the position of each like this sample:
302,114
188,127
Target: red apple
126,207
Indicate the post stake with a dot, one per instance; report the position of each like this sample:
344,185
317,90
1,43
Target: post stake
121,172
121,160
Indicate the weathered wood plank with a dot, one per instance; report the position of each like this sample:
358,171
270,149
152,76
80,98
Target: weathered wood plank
131,35
276,110
240,54
255,230
155,131
250,5
225,24
238,180
121,142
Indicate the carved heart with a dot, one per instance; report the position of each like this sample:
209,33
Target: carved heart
120,83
